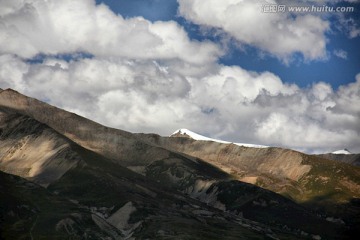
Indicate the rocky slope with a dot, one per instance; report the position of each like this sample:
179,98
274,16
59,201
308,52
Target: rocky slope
32,150
118,185
302,177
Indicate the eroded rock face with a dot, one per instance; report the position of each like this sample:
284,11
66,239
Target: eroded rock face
32,150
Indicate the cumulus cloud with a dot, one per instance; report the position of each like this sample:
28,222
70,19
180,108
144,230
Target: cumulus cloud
151,77
230,103
28,28
280,34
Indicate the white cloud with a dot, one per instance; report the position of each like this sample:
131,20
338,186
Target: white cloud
302,132
340,53
150,77
279,34
30,27
348,99
228,103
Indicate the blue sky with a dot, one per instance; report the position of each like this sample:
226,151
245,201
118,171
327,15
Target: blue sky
333,69
223,69
153,10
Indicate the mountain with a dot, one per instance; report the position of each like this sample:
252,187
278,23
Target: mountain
64,176
343,156
189,134
302,177
343,151
318,183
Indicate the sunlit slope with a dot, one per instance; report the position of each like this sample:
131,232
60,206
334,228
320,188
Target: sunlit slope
294,174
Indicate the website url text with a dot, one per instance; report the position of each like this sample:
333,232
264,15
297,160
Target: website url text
276,8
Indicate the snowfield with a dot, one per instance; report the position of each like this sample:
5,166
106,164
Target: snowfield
196,136
344,151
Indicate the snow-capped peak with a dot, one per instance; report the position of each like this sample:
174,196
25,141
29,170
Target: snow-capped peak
343,151
196,136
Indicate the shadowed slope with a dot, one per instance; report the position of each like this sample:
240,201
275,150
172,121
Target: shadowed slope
28,211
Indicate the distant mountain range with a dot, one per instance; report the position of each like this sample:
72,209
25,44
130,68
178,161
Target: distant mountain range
66,177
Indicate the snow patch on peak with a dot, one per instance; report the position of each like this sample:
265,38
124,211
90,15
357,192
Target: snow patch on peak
343,151
196,136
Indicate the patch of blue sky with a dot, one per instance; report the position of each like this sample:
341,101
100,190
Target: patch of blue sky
66,57
153,10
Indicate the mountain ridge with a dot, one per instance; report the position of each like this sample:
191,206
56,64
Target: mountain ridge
149,182
109,142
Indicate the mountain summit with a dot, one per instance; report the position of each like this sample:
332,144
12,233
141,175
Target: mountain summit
343,151
187,133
